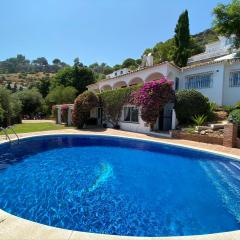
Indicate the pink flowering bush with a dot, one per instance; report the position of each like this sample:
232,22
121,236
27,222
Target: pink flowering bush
64,107
152,97
82,107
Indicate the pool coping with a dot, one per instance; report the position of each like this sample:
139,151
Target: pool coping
15,228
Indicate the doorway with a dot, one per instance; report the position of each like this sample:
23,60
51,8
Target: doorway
165,118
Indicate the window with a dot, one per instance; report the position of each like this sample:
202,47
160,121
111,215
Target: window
234,80
177,83
130,114
199,81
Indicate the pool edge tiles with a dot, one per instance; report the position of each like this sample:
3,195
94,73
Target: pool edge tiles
15,228
81,235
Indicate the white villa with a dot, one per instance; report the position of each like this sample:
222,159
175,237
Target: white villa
215,73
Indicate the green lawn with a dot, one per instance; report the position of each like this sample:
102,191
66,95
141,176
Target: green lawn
35,127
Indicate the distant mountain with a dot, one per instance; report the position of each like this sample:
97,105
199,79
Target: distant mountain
20,64
23,80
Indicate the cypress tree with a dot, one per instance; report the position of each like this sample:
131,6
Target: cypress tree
182,40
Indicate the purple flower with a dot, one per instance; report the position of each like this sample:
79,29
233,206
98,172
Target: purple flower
152,97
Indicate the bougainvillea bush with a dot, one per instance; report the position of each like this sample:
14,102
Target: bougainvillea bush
152,97
83,104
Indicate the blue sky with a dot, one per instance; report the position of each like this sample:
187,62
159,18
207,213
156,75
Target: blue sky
94,30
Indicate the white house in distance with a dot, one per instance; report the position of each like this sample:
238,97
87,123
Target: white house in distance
215,73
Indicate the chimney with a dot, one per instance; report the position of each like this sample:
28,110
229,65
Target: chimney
149,60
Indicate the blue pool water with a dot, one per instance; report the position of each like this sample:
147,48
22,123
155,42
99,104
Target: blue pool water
119,186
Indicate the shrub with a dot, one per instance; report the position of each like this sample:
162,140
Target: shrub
199,120
16,107
152,97
83,104
212,115
235,116
31,100
228,109
11,107
61,95
113,101
214,106
237,105
190,103
1,114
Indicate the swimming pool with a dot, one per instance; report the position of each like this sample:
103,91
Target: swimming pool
119,186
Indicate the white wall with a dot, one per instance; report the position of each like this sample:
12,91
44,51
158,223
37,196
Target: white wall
164,69
215,93
140,127
230,95
118,73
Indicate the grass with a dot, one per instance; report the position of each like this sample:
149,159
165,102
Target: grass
35,127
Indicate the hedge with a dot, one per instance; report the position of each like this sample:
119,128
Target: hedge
113,101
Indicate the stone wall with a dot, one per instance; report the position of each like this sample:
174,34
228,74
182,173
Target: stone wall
197,137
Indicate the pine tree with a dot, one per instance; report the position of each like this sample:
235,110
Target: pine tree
182,40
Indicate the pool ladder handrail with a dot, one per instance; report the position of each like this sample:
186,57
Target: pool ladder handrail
5,133
4,130
11,128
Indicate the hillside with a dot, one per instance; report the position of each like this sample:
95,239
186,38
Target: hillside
205,37
23,79
163,51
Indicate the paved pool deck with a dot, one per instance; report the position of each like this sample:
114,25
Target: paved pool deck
15,228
